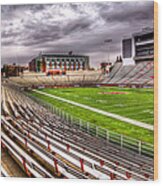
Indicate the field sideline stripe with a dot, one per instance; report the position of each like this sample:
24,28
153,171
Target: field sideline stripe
115,116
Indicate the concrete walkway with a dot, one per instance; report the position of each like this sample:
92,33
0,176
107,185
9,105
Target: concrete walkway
115,116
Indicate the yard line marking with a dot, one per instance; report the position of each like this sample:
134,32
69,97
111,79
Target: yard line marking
115,116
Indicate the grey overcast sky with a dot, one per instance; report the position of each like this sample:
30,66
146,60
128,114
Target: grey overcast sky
78,27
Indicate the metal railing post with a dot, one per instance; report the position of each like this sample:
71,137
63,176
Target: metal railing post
63,115
71,120
67,117
140,147
107,135
80,124
87,127
96,131
121,141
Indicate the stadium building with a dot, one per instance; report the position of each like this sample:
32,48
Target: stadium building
67,62
136,69
12,70
139,47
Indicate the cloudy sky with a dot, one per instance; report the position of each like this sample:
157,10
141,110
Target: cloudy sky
78,27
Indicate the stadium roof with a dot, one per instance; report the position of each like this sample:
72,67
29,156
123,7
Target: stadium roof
61,55
144,31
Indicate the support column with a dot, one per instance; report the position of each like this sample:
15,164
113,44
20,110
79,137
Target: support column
82,164
56,165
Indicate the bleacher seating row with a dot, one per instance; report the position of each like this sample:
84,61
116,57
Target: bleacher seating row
66,80
141,74
62,150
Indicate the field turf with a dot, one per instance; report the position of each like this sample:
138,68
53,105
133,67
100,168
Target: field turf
132,103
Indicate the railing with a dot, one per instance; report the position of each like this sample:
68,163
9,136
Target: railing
122,141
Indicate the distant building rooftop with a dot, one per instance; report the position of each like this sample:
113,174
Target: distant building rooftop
61,55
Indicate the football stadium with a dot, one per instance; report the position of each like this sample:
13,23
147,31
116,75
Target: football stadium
62,120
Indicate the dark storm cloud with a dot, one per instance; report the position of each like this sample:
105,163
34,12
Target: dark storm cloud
11,9
40,34
80,27
130,12
5,34
35,8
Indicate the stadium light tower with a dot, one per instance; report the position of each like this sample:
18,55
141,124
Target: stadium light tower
108,41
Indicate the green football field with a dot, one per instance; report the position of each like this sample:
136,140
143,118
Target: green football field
137,104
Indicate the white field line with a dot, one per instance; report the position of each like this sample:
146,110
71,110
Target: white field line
115,116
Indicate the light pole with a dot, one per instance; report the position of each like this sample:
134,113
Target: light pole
108,41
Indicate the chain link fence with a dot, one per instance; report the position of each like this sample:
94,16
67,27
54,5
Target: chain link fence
124,142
